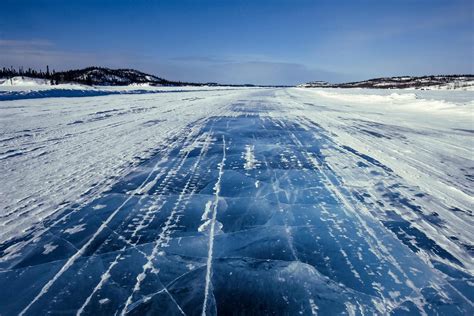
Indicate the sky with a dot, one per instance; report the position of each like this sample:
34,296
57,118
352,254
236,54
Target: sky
237,41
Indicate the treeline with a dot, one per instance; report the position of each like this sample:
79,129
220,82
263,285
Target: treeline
400,82
101,76
12,72
53,76
89,76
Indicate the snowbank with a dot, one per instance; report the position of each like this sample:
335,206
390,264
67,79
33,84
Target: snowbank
436,102
24,82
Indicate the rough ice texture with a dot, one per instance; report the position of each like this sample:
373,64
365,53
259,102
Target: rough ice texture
257,201
55,151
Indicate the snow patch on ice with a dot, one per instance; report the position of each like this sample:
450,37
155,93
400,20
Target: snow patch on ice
48,248
249,156
314,308
99,207
207,210
75,229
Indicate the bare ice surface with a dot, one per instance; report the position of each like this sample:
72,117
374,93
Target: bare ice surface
247,201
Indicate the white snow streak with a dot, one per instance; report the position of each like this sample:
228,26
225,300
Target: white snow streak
249,156
169,224
217,189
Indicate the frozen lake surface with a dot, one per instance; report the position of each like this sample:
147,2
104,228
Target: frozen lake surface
250,201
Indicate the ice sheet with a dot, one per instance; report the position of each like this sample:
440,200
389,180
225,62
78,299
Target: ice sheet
256,201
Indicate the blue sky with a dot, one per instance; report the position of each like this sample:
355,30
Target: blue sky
234,41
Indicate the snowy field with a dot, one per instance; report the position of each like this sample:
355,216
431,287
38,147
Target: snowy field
31,88
246,201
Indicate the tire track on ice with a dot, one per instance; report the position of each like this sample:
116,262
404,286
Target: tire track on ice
378,246
42,229
301,148
148,216
276,189
83,249
45,230
217,189
170,223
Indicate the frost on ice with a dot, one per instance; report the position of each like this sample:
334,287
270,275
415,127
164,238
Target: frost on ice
261,201
250,161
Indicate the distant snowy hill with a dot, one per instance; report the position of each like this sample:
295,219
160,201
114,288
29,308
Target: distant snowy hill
110,77
97,76
441,82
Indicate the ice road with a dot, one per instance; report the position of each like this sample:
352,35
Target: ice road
238,202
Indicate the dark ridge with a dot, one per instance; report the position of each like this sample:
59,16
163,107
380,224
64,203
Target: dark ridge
399,82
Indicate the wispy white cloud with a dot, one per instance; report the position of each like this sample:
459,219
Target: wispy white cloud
201,59
252,71
34,43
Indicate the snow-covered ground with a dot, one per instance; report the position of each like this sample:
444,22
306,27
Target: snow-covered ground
55,150
20,88
253,201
